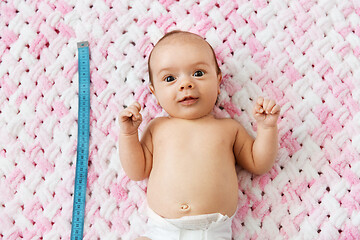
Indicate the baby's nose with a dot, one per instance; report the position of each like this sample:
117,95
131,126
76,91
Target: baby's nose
186,84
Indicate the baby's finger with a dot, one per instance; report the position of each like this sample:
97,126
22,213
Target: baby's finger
125,115
136,105
275,109
260,101
258,105
258,109
270,105
135,108
137,117
265,105
134,113
128,113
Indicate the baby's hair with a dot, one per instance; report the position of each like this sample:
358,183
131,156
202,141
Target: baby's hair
218,70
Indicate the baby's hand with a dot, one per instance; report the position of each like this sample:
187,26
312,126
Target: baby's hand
266,112
130,119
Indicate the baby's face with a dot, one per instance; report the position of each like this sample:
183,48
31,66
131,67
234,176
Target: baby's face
185,81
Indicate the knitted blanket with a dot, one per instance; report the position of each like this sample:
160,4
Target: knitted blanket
304,54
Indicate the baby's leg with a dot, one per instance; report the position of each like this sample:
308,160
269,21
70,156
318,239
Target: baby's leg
143,238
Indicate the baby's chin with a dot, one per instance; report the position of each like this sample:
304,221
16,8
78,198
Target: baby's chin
192,116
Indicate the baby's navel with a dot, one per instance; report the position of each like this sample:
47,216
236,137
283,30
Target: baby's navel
185,207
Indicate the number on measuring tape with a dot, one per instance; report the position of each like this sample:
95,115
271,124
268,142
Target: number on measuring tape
82,156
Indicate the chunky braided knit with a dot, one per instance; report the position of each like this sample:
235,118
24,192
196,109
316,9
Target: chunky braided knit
305,54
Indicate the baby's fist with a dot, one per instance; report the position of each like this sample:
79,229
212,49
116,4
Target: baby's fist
130,119
266,112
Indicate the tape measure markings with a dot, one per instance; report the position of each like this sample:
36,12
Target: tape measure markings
82,156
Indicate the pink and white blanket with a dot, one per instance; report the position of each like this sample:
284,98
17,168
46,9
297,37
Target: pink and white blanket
305,54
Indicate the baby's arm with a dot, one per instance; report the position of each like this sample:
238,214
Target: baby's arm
258,156
135,156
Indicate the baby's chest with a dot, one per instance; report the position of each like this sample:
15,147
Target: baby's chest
207,138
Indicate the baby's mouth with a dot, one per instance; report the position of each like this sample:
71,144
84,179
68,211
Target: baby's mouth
188,100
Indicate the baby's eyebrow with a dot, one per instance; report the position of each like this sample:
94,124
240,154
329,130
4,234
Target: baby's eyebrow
172,69
166,69
200,63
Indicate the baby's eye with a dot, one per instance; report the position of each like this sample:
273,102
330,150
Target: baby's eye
169,79
198,73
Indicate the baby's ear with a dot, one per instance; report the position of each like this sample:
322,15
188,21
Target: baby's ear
219,77
152,90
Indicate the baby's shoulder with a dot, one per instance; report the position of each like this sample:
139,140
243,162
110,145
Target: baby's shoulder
228,122
157,122
226,125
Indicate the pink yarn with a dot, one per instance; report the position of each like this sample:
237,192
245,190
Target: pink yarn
304,54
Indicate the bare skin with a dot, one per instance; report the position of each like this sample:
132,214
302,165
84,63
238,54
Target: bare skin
190,156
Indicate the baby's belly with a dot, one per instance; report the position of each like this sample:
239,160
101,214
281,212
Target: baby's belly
184,189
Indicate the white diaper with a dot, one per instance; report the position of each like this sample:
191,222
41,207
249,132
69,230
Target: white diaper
201,227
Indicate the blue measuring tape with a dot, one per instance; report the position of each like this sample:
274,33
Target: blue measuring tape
77,226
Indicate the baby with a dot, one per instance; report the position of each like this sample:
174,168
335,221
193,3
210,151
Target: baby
190,156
